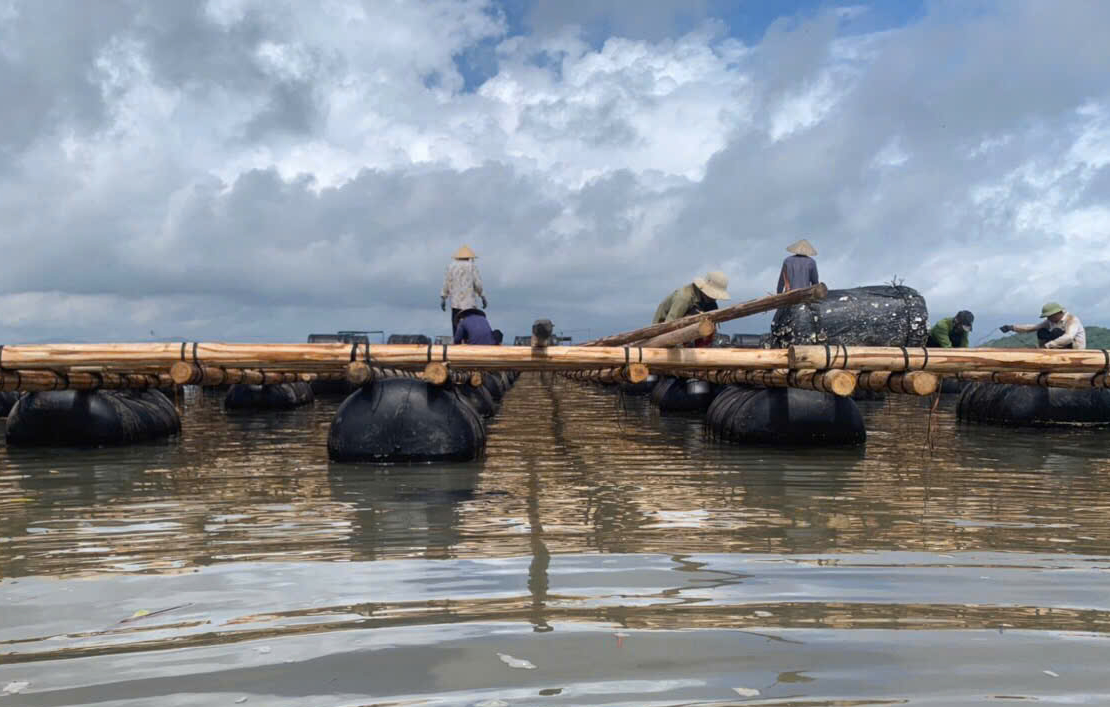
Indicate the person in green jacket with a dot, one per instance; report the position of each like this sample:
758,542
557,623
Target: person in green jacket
701,295
952,332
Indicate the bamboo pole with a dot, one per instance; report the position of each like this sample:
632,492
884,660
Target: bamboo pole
743,309
37,381
336,357
882,358
837,382
1074,381
697,330
912,383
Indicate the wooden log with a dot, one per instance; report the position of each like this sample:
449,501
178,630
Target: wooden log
358,373
837,382
743,309
184,373
883,358
38,381
697,330
1074,381
436,373
336,357
912,383
633,373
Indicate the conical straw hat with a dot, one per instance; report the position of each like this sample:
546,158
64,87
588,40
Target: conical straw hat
801,247
714,284
464,253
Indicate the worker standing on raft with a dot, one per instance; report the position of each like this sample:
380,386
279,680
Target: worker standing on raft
1058,330
800,269
701,295
952,332
462,285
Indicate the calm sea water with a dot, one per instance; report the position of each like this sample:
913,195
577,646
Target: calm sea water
598,554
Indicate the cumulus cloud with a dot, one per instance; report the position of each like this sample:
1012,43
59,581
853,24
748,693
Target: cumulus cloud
260,169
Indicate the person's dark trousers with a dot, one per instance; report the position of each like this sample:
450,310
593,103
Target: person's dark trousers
454,320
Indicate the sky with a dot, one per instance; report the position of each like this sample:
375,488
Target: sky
258,170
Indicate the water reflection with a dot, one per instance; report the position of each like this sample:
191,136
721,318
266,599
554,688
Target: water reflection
569,468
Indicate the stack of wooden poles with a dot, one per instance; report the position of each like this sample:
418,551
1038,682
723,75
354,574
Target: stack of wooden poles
627,357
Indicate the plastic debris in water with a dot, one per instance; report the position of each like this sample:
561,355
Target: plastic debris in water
1050,674
515,662
263,649
746,691
491,703
763,614
241,700
16,687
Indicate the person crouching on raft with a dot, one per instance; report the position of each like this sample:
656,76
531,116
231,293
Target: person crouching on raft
474,328
1059,329
701,295
952,332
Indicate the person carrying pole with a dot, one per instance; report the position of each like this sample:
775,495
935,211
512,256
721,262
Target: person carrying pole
1059,329
701,295
800,269
462,285
952,332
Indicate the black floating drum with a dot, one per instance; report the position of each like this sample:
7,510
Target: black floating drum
683,395
785,416
74,418
279,396
1033,406
405,420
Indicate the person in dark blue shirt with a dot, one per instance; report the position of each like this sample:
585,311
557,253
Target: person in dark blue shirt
474,328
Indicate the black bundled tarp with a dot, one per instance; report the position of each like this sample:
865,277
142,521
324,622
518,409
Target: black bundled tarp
877,315
1033,406
74,418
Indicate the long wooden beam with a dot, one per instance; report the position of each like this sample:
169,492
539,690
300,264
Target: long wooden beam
697,330
633,373
837,382
911,383
743,309
38,381
884,358
1075,381
184,373
333,357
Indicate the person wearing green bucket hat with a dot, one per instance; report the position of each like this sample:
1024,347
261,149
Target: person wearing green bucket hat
1059,329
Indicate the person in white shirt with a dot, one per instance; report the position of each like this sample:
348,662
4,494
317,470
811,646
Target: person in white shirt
1058,330
462,285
